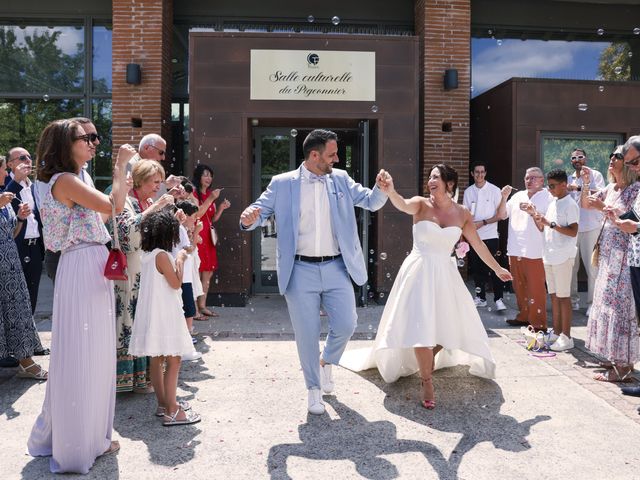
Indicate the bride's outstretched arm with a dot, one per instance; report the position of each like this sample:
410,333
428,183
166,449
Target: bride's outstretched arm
471,234
410,206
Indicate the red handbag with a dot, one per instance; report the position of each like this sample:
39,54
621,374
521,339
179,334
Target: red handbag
116,267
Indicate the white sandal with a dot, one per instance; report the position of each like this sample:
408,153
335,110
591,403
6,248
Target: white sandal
190,417
23,372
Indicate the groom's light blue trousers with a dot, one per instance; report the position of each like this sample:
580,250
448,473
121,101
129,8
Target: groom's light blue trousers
311,285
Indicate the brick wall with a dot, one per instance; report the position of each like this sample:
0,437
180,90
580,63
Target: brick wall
444,29
142,32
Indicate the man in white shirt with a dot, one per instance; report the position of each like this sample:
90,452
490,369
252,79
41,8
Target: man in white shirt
588,228
524,247
317,250
483,199
560,228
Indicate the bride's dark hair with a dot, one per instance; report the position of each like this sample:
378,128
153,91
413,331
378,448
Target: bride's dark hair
447,174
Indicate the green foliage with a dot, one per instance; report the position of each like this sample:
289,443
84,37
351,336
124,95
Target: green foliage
615,56
275,157
557,152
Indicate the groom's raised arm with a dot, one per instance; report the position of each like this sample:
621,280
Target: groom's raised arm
367,198
256,213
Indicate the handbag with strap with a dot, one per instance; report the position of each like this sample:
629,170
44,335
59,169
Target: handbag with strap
116,267
214,236
595,254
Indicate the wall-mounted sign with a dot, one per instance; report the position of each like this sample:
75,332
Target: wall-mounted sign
313,75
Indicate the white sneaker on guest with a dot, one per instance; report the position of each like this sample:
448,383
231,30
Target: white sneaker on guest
194,355
500,306
315,403
479,302
563,343
326,378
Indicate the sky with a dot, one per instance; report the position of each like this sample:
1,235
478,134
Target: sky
493,63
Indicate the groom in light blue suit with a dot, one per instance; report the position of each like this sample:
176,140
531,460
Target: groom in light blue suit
318,249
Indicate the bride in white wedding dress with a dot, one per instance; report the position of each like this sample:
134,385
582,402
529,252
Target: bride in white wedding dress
430,312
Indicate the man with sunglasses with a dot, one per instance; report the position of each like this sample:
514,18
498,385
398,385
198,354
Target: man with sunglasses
29,240
153,147
588,226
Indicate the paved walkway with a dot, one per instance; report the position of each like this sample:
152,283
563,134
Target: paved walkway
540,417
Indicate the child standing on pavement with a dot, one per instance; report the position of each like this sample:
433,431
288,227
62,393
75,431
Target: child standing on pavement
560,228
159,330
187,223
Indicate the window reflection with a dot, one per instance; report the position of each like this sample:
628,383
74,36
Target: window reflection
557,148
102,165
102,54
497,60
22,121
42,59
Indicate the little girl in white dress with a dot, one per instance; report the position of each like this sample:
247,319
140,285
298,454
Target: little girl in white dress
159,329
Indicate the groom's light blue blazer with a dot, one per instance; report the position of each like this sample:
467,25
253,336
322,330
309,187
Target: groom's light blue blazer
282,198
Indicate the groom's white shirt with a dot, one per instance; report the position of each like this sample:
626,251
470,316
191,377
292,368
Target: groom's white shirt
315,233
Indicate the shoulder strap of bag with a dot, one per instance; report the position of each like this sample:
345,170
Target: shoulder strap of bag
116,239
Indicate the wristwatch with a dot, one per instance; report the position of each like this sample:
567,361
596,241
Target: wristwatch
553,225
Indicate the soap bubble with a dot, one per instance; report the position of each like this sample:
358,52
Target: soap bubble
311,19
374,108
335,20
381,295
582,127
388,275
499,42
460,263
583,107
630,54
27,259
45,97
600,31
371,251
294,132
636,31
617,70
383,256
601,88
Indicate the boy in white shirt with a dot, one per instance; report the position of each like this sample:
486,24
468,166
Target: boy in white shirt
560,228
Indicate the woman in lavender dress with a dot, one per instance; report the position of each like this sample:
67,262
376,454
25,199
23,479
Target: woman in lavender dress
76,422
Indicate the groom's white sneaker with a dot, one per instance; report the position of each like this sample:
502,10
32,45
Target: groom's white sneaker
326,378
316,405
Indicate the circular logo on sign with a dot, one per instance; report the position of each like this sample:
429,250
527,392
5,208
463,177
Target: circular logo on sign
313,59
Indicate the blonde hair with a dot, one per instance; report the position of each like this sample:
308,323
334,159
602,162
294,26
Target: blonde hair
628,176
143,170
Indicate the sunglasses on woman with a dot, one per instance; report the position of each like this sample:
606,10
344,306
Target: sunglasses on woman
617,156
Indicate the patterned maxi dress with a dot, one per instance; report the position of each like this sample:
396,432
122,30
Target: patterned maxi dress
132,372
18,334
76,422
612,329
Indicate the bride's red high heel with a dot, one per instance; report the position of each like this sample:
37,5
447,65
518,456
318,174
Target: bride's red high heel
427,384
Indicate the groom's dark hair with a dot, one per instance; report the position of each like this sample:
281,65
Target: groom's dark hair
317,140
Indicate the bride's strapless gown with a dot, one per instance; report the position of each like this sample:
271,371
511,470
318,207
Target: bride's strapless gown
429,305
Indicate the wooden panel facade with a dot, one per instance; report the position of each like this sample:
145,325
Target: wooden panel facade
221,135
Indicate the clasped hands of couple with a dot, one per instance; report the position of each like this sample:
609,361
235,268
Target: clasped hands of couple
250,215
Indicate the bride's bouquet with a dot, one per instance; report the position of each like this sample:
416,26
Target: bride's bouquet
460,251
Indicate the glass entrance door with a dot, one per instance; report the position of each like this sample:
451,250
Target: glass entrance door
279,150
274,154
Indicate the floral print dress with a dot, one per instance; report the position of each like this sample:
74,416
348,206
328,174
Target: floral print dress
612,331
132,372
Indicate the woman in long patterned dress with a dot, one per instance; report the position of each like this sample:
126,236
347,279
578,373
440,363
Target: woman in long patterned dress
206,196
76,422
18,334
133,372
612,327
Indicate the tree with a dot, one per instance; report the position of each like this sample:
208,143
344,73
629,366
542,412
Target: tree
615,62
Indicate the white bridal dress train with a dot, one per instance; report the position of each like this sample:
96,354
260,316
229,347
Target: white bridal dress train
429,305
